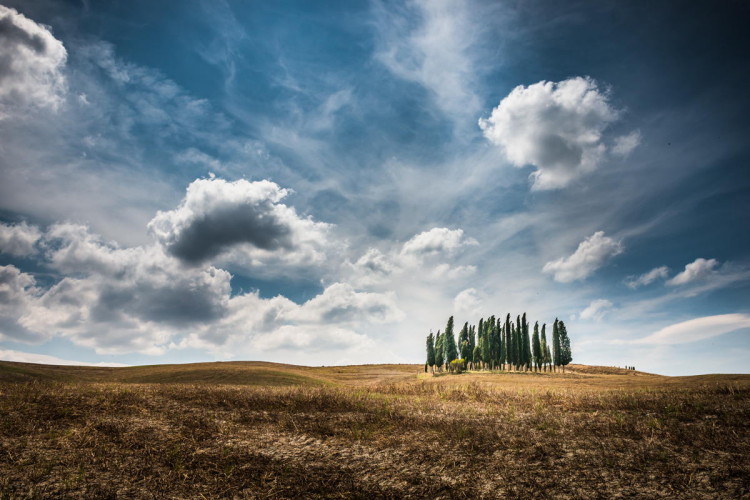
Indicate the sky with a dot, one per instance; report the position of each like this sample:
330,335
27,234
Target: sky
325,183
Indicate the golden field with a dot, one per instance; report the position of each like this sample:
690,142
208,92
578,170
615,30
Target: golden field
265,430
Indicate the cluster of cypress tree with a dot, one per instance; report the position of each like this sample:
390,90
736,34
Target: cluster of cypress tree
495,344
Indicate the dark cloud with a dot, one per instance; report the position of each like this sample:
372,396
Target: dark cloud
217,215
207,236
177,304
31,60
10,33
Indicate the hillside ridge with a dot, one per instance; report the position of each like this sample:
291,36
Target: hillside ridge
265,373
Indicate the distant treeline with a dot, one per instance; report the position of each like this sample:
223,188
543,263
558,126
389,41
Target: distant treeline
497,345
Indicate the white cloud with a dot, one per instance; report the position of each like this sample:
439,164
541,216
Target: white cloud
625,144
31,63
94,160
28,357
18,293
142,299
647,278
330,320
241,217
590,255
468,303
699,269
311,339
18,239
111,299
430,255
340,303
596,310
557,127
437,241
697,329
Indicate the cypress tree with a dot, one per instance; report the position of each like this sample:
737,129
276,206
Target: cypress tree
465,352
481,343
499,337
515,339
431,351
439,351
503,344
472,343
508,342
556,343
566,356
526,343
519,343
486,345
544,348
511,347
536,348
494,343
476,355
451,352
463,343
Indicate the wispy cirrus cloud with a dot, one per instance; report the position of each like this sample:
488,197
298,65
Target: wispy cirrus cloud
432,43
697,329
28,357
647,278
591,254
596,310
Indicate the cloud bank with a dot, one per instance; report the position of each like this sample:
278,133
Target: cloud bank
145,299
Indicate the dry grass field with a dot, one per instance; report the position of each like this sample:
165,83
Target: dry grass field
264,430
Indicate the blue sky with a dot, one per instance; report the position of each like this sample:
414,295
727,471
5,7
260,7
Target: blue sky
325,182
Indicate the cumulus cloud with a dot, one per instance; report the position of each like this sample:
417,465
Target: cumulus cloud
697,270
647,278
327,321
590,255
18,239
340,303
596,310
110,299
18,293
31,62
217,216
311,339
432,253
142,299
697,329
556,127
